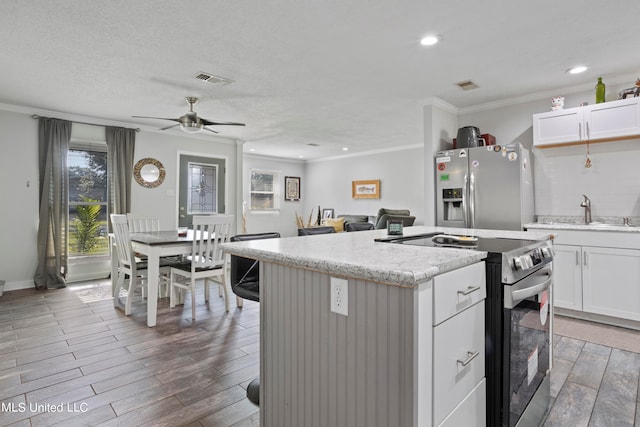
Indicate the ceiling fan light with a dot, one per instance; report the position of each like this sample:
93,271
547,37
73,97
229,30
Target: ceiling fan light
192,127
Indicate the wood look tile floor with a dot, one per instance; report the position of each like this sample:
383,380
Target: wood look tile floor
595,381
70,349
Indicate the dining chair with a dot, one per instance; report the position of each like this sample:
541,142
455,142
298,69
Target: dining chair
245,283
139,223
206,260
308,231
244,272
358,226
127,265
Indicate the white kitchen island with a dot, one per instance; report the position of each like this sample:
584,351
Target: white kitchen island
409,352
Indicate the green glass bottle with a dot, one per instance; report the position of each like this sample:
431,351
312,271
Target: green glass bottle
600,91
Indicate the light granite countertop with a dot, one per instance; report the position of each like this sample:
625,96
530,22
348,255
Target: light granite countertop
594,226
357,255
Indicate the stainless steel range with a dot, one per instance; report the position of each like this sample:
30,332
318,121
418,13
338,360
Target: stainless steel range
517,321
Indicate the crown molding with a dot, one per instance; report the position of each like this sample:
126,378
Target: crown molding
444,105
89,120
273,158
367,153
612,80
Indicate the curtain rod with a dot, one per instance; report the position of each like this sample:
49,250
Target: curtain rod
35,116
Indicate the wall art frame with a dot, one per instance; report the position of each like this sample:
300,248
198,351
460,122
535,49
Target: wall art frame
367,189
291,188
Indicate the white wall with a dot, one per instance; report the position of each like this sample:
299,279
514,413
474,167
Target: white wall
162,201
401,175
284,220
559,174
440,127
19,195
560,177
19,188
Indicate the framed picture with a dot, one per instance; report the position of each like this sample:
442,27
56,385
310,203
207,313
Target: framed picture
365,189
327,213
292,188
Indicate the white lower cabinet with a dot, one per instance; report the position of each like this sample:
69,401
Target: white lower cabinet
611,282
597,279
458,360
459,386
472,411
567,277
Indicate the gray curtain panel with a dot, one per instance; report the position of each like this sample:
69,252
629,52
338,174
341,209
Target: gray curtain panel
53,145
120,150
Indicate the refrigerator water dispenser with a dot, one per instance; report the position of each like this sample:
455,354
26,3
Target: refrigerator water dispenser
452,200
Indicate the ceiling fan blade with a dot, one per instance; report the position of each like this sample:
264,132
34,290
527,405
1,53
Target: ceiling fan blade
210,130
159,118
169,127
210,123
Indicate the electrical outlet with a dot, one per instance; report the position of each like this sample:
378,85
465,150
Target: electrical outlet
339,296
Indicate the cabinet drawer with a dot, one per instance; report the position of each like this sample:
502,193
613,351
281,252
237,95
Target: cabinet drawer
456,290
456,341
472,411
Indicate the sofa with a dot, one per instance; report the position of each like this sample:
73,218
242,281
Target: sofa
354,219
384,215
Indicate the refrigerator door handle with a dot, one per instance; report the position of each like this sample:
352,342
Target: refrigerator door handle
472,197
465,196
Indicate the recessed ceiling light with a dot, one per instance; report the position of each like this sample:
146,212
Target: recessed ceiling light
301,156
577,70
345,148
429,40
252,149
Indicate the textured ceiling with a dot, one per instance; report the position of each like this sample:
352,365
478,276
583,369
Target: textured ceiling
346,73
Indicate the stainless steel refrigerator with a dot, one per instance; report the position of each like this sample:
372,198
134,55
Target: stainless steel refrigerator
487,187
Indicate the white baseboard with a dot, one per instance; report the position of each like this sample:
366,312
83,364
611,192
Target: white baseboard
14,286
599,318
28,284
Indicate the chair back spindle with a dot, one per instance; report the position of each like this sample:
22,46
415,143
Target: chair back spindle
123,243
209,232
142,224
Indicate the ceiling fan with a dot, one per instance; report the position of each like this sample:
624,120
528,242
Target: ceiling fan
190,122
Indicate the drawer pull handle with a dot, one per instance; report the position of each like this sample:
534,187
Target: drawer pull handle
472,355
469,290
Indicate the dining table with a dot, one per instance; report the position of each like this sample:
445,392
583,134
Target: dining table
156,244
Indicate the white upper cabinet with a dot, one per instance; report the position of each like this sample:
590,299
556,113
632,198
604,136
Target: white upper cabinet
556,127
605,121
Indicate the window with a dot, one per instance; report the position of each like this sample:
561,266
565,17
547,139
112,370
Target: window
203,189
265,191
88,231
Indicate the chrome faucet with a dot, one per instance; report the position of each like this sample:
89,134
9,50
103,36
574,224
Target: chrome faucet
586,204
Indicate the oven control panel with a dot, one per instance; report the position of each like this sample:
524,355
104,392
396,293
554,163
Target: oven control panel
532,258
517,265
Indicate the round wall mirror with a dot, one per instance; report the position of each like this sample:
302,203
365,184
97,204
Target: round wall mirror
149,172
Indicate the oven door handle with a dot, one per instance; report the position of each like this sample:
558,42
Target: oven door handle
514,297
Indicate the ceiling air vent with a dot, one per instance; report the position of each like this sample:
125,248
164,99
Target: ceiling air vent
313,144
215,80
467,85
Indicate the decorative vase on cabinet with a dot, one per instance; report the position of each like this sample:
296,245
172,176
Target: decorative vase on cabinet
600,88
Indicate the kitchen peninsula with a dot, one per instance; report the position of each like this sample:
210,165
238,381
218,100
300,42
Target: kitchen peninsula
408,352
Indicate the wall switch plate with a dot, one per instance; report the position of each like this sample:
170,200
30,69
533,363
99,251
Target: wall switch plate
339,296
